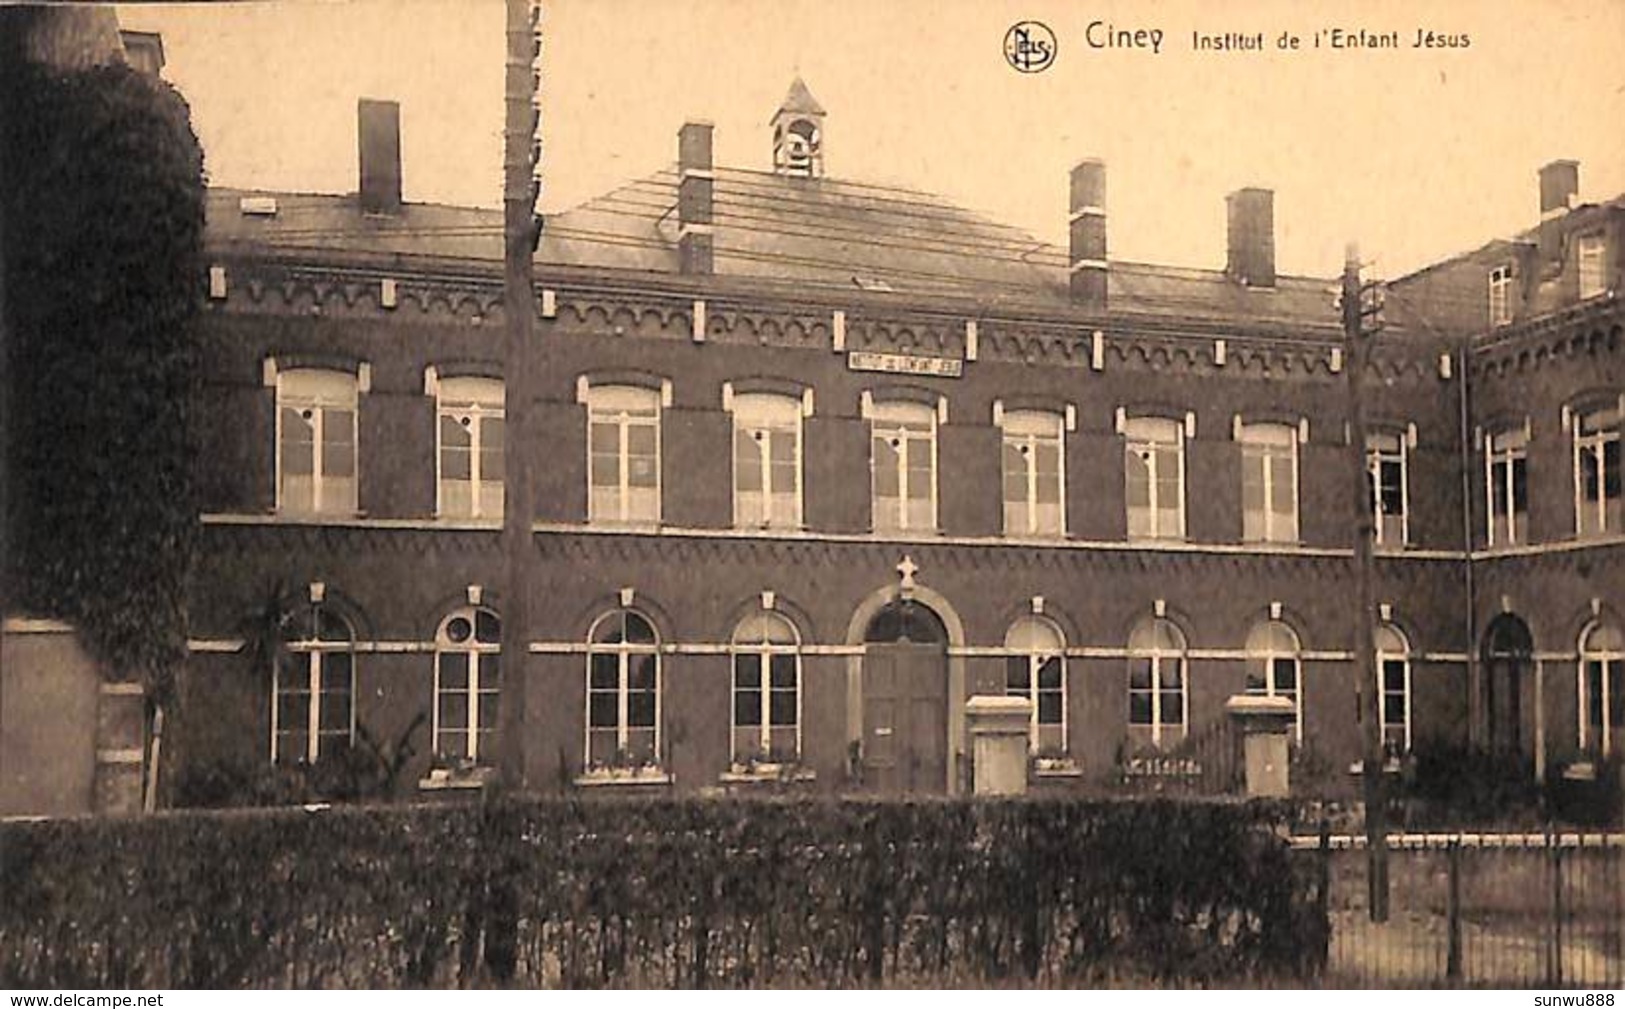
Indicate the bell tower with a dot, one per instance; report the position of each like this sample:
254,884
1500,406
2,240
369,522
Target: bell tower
798,134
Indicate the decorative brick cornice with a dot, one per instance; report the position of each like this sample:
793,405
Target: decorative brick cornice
1586,331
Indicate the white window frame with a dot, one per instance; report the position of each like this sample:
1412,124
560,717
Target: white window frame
1159,657
312,649
1507,448
764,651
1612,661
625,407
1591,259
471,403
1596,444
1263,653
319,391
1036,657
1500,295
1391,645
1143,436
901,419
470,651
1026,431
624,652
1375,455
1262,444
763,413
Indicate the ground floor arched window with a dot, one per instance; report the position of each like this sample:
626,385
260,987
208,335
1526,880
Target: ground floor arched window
1602,689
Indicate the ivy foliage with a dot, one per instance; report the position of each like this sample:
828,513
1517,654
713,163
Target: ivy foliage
666,892
103,253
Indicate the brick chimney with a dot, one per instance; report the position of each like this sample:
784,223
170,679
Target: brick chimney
378,129
695,181
1251,259
1559,184
1088,234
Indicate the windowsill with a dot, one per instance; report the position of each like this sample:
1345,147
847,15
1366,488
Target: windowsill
1056,767
609,776
465,521
1390,766
445,779
624,527
767,774
1583,770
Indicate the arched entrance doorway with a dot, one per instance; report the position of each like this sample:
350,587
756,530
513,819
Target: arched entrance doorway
905,699
1506,660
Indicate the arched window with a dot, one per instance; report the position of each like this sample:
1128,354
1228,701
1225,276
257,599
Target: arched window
1038,673
623,691
1275,667
1394,686
313,683
1156,680
766,690
1602,688
467,684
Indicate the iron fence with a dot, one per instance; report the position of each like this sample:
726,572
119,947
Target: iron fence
1492,910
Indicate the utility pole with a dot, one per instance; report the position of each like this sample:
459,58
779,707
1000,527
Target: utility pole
521,231
1362,307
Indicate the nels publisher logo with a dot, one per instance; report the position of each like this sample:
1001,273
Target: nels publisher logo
1029,46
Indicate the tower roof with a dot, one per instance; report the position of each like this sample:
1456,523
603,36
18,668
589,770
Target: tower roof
799,99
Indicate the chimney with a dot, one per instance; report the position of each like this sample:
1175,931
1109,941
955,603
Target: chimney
1088,234
1251,259
1559,184
379,132
695,181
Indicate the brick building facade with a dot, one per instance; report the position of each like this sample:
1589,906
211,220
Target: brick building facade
818,460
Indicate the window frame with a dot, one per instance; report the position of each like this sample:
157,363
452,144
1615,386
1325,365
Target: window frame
1591,264
313,647
1257,447
764,405
764,651
1375,456
625,407
471,651
1507,448
624,652
1500,295
1158,657
1596,443
1265,654
1612,662
893,417
1141,434
1382,656
325,397
482,399
1035,659
1026,431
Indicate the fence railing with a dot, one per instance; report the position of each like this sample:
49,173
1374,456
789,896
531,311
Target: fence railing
1503,910
1206,762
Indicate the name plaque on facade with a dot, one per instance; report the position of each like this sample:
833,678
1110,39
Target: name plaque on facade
905,364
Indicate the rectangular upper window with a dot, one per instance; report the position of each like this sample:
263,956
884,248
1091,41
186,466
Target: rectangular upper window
1592,256
623,454
1500,295
470,436
1387,466
767,461
1506,487
1034,474
1269,483
316,442
903,455
1154,473
1597,490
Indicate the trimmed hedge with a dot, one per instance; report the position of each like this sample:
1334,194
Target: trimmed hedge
658,893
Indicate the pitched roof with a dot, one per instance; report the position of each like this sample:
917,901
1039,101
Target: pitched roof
800,99
781,230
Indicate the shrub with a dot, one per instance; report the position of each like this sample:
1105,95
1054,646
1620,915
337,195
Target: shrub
663,892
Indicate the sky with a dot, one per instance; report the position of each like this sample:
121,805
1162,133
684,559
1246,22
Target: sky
1414,153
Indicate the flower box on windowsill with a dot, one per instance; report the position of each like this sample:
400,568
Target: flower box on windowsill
595,777
768,773
1056,767
449,778
1390,766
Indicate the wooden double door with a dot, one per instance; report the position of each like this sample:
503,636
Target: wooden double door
905,717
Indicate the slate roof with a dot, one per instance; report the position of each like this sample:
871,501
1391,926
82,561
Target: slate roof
800,99
783,230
